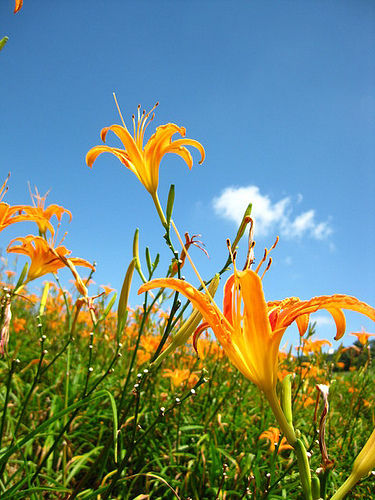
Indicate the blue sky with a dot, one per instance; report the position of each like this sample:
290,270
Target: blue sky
281,95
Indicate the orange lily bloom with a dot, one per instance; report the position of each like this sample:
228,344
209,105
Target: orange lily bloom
178,377
363,336
250,329
7,216
273,436
144,162
42,215
18,5
44,258
313,346
7,213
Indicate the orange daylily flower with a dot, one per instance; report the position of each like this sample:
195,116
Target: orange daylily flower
107,289
273,436
18,5
8,217
250,329
19,324
178,377
7,212
44,258
144,161
42,215
363,336
313,346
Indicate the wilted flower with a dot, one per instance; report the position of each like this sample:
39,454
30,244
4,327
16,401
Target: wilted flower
6,316
188,242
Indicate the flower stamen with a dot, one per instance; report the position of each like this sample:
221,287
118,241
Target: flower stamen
119,110
266,254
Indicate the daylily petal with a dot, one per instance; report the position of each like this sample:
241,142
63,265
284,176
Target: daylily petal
211,314
127,140
18,5
228,299
57,211
331,303
340,321
119,153
303,323
180,143
160,140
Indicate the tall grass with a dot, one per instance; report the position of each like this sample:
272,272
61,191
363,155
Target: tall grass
86,417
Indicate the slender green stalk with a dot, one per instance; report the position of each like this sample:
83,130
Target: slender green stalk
89,362
345,488
66,404
167,331
34,383
300,450
8,385
280,417
159,210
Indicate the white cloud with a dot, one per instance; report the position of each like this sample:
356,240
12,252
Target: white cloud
270,216
322,320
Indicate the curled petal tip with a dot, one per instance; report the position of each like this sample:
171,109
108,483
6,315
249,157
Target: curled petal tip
92,155
103,133
338,335
18,6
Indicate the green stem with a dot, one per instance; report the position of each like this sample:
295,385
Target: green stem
288,431
66,404
10,376
280,417
159,209
345,488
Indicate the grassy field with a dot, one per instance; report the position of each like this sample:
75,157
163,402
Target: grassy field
83,415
